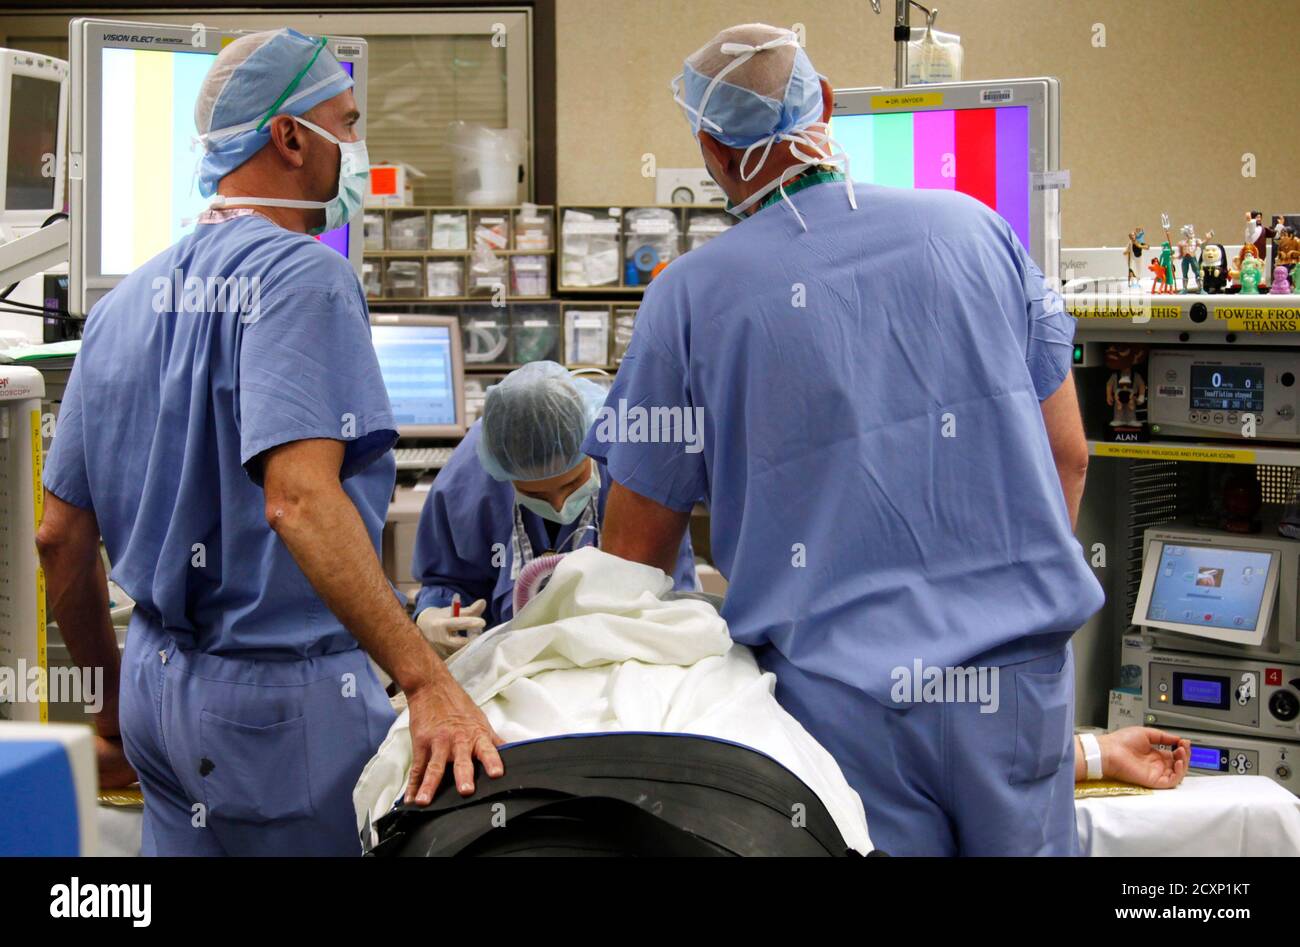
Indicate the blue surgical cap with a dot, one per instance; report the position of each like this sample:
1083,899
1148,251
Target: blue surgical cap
768,86
535,420
242,88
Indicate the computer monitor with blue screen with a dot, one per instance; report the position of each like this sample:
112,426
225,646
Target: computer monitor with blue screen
999,142
132,164
420,359
1208,587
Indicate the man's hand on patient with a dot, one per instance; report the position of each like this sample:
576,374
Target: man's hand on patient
446,725
114,770
1141,755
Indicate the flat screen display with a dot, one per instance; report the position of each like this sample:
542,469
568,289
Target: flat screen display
1228,388
33,143
416,362
1210,586
983,152
149,196
1208,758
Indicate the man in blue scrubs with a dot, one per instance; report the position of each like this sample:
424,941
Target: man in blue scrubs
232,448
517,486
893,458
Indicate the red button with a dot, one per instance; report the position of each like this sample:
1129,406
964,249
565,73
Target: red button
1273,677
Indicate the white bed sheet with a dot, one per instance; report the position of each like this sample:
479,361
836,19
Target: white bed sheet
1205,816
599,650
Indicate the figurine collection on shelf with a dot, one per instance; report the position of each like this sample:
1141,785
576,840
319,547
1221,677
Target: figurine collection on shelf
1200,264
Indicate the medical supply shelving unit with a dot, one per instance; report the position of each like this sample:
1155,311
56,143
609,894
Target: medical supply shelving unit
1133,486
671,230
506,231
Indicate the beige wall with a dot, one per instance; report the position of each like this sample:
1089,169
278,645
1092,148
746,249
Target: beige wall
1157,120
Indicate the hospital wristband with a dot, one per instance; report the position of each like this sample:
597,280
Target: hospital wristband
1092,754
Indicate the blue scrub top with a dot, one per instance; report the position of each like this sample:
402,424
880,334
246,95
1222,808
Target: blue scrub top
173,399
463,543
875,460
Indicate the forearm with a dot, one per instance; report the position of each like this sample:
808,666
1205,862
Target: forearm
327,538
67,542
641,530
1073,478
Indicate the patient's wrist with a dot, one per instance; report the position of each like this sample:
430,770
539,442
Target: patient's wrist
1094,755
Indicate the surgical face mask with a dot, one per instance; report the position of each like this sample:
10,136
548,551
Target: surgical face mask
354,171
573,506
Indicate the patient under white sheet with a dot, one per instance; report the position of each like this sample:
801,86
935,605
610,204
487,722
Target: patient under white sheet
599,650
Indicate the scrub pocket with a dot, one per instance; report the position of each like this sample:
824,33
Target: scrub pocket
254,774
1044,722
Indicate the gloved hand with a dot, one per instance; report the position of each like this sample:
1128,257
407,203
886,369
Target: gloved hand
448,635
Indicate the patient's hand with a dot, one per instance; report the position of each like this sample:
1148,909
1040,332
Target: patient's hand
1136,755
114,770
447,725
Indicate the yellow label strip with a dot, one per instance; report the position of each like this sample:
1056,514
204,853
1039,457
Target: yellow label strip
1222,455
38,509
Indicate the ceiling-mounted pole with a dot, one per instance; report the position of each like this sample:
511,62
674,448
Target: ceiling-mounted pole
902,35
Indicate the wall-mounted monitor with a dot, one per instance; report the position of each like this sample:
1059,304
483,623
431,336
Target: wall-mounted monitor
33,119
999,142
132,185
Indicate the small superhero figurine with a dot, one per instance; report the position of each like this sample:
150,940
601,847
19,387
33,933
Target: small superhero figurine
1281,281
1133,253
1214,268
1126,389
1189,255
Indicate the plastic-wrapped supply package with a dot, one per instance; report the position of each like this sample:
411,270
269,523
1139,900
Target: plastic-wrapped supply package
485,334
624,318
404,278
933,56
589,253
450,231
704,225
536,333
491,231
476,387
372,279
487,273
446,278
586,336
532,228
486,164
651,239
408,231
373,224
530,275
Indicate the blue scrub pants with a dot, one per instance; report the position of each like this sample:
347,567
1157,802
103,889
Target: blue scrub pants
943,778
244,757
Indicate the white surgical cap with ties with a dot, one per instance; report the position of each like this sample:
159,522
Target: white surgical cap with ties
750,87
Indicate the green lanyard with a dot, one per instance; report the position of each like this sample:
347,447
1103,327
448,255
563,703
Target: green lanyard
799,183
